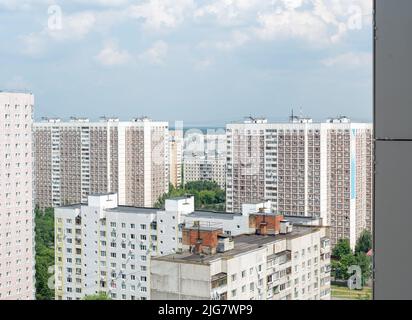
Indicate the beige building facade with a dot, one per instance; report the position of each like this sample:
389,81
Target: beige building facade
306,169
17,264
79,157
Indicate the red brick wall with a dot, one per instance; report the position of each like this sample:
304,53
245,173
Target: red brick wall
272,222
209,237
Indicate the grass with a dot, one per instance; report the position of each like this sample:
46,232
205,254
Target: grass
341,292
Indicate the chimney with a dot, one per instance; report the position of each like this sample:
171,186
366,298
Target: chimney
263,229
201,238
286,227
198,246
265,224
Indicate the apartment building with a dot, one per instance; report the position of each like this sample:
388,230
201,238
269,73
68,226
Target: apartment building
176,157
105,247
16,197
205,158
322,170
76,158
276,262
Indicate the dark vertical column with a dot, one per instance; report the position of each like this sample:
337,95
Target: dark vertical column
393,150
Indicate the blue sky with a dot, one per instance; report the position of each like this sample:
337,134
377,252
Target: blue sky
206,62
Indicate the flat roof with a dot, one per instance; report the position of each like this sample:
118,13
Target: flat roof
101,194
71,206
119,209
182,197
213,214
242,244
137,210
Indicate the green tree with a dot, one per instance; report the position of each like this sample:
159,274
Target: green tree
344,258
96,297
341,249
208,195
341,267
364,243
44,235
365,263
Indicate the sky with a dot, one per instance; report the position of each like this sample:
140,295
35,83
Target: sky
204,62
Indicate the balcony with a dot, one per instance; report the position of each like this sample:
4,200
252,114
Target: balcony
219,280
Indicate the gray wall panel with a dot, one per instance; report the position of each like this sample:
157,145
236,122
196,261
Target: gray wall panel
393,99
393,220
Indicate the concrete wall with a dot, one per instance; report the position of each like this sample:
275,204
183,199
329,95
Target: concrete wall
176,281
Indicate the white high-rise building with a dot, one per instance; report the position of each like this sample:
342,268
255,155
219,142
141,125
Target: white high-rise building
105,247
323,170
284,263
16,197
176,157
205,158
77,158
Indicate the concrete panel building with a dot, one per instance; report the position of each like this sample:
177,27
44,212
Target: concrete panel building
306,169
205,158
79,157
106,247
16,197
287,264
176,157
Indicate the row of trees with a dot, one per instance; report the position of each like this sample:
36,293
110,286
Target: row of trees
44,235
208,195
343,258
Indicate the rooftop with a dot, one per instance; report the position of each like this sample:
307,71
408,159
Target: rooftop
242,245
212,214
137,210
119,209
71,206
181,198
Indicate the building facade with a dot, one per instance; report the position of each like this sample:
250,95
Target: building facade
105,247
205,158
293,264
17,264
322,170
176,157
77,158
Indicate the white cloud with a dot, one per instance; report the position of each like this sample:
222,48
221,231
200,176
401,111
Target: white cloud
350,60
111,55
75,26
203,63
316,21
290,24
237,39
161,14
33,45
156,54
104,3
23,5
